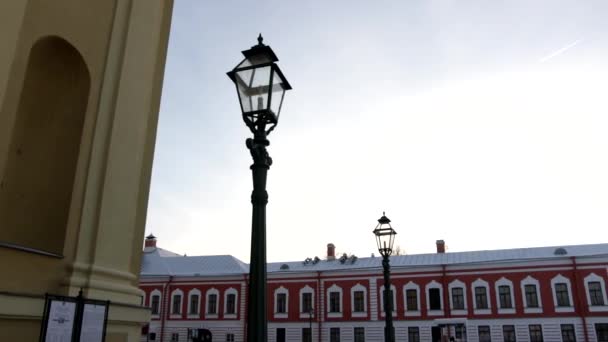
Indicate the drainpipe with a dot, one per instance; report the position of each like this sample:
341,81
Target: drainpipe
162,308
579,307
319,315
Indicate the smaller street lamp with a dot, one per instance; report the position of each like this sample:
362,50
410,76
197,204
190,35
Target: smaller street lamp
385,238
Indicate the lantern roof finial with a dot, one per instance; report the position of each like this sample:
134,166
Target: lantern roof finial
384,219
260,39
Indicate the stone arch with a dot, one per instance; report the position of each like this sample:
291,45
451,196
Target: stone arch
38,179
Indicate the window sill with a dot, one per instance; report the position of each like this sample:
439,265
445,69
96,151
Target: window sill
175,316
482,311
193,315
358,314
334,315
459,312
435,312
533,310
598,308
306,315
564,309
506,311
280,315
230,316
412,313
211,316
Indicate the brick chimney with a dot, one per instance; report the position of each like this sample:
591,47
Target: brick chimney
331,251
440,246
150,241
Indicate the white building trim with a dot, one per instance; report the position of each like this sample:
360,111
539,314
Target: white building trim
561,279
434,285
412,286
231,291
596,308
307,289
198,307
381,298
529,280
276,312
481,311
458,284
335,288
216,292
174,294
505,282
353,289
156,292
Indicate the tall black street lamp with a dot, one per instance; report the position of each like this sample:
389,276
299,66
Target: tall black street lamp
261,87
385,237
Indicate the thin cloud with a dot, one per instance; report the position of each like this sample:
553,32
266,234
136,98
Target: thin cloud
559,51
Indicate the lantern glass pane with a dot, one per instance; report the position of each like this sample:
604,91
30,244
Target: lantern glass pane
253,87
278,91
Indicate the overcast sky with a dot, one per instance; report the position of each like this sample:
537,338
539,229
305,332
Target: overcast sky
483,123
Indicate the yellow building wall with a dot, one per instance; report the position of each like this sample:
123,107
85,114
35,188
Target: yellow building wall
82,231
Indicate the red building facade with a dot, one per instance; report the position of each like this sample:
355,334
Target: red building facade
531,294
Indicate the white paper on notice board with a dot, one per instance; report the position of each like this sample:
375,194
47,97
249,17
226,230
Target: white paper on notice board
93,321
61,321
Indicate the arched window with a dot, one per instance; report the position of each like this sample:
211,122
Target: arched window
177,298
38,180
281,302
307,302
411,293
530,289
562,294
504,296
458,297
212,297
194,303
392,300
230,303
480,290
434,298
334,301
155,303
595,289
358,301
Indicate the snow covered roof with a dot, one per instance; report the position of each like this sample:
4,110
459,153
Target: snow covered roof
158,261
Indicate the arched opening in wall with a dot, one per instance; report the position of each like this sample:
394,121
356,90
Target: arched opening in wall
37,184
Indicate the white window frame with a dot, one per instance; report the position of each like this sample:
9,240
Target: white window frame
411,286
181,304
434,285
381,300
335,288
190,294
561,279
307,289
454,284
354,289
209,292
481,283
230,291
504,281
278,290
156,292
529,280
596,308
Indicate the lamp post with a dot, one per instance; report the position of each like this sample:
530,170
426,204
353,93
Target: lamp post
261,87
385,238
